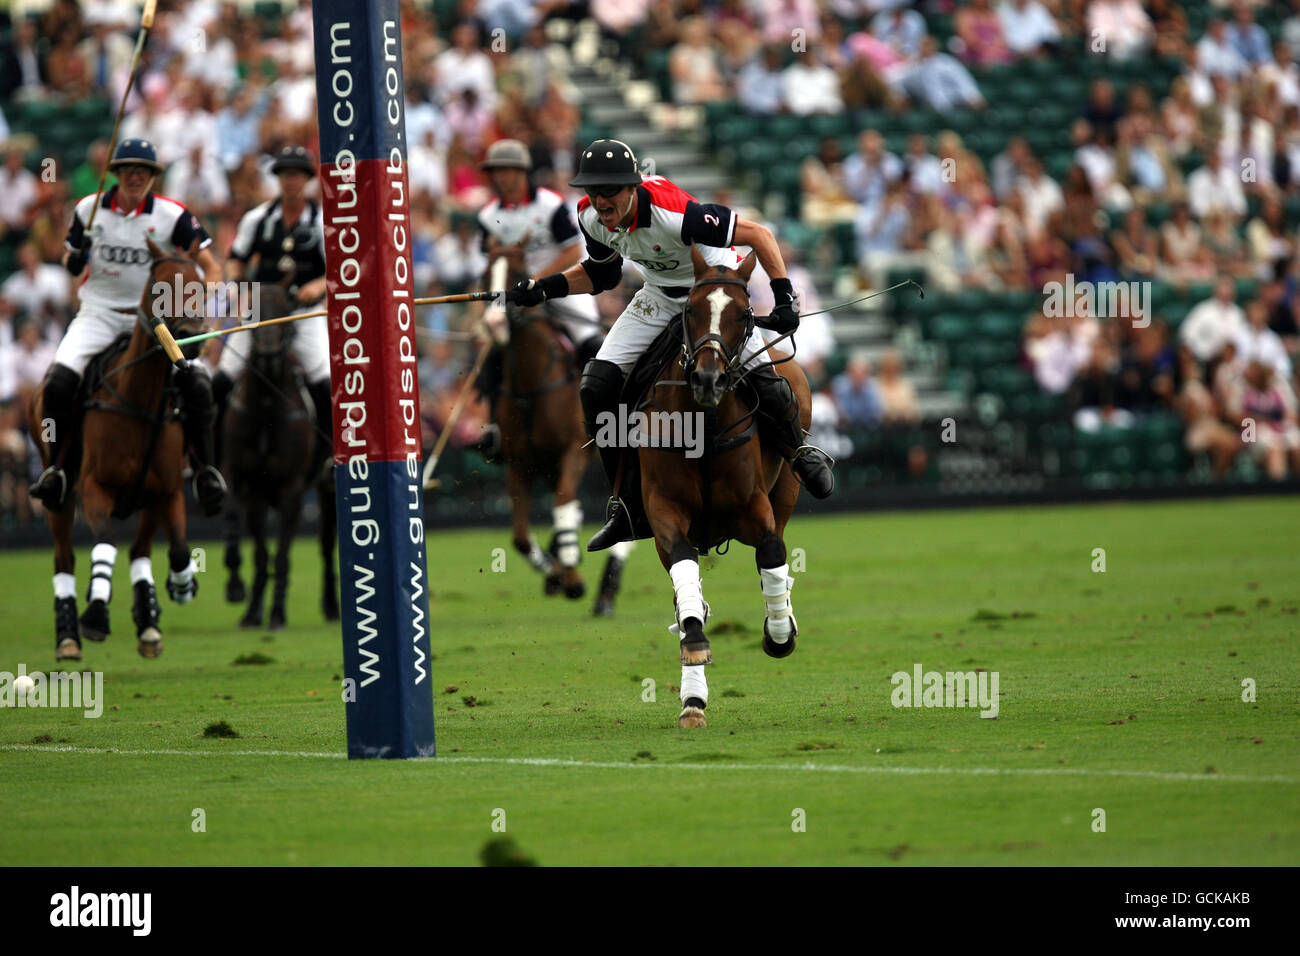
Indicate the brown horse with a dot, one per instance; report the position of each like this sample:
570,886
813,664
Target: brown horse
132,454
270,461
542,435
738,487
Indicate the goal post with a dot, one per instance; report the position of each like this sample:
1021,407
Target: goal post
383,581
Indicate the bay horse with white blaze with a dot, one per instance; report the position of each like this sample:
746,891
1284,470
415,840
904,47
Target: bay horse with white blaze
741,487
131,458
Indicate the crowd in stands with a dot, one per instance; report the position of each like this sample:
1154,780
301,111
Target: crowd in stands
1155,189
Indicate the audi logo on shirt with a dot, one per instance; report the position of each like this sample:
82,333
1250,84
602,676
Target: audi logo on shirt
126,255
659,265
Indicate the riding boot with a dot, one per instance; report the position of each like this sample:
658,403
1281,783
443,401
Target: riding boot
778,407
59,408
602,383
199,415
324,450
586,350
489,386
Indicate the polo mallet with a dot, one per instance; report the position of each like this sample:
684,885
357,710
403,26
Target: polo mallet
146,22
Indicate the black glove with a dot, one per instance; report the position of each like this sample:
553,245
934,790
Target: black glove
530,292
785,313
77,260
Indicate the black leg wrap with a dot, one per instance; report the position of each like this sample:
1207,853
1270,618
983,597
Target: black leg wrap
321,398
770,552
489,377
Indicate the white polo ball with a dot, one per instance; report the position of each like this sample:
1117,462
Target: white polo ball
23,686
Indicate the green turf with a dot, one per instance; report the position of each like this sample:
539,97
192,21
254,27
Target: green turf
1137,669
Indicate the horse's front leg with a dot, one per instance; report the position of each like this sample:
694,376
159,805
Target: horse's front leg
230,517
144,594
328,533
671,525
255,511
67,637
290,509
97,505
758,529
518,487
566,517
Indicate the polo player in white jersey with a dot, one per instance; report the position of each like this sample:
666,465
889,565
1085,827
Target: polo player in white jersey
654,223
536,219
119,264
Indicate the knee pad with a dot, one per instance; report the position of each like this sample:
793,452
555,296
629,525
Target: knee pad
61,385
602,382
196,390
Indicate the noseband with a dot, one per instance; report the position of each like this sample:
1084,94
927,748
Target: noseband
711,340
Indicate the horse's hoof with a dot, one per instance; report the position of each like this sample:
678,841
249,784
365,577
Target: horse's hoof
149,643
552,585
236,593
575,591
251,620
604,606
772,649
331,612
94,621
69,649
691,717
277,622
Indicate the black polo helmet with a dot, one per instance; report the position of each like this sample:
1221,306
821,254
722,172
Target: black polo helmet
135,152
607,162
293,157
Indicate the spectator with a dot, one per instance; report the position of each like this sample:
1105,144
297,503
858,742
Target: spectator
1143,164
810,86
980,31
1225,248
1214,323
461,262
1269,403
1205,432
1095,393
238,126
1217,55
1215,186
18,190
902,30
1247,37
106,51
1270,244
1184,256
924,171
23,70
1256,342
759,87
693,64
464,67
940,82
198,181
1040,194
781,18
826,200
1028,28
881,229
1137,246
1103,110
1171,28
857,396
868,171
1119,28
36,283
1147,367
33,355
1057,347
1009,166
1180,119
899,405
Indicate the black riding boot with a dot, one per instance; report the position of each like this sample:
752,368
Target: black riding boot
489,386
777,405
602,383
200,413
586,350
59,409
321,398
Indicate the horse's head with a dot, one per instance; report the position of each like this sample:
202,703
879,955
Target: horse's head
175,295
716,324
270,343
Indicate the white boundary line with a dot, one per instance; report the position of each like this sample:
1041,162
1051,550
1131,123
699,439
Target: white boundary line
721,765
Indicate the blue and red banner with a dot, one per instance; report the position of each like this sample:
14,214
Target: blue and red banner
377,470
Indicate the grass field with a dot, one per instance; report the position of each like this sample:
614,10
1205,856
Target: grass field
1120,690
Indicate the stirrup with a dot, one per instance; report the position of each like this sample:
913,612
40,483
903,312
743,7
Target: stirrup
489,443
44,488
826,461
211,499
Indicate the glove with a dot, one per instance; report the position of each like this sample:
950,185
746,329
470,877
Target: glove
78,259
530,292
785,314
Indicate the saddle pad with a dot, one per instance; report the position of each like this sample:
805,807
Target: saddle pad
94,373
647,368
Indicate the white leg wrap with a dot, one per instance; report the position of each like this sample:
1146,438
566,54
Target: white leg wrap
141,570
179,583
687,593
776,596
65,585
567,519
537,557
621,550
693,683
102,557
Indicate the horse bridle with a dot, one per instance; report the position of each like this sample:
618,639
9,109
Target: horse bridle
731,358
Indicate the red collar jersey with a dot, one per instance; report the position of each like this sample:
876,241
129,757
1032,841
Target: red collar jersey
669,221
